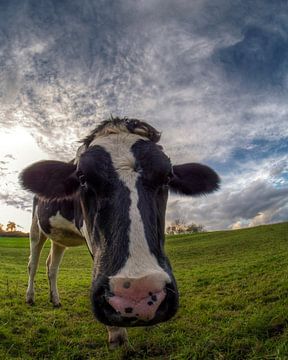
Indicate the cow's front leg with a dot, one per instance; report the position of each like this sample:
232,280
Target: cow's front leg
37,240
52,263
117,336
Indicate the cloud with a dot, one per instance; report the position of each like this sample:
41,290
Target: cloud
236,226
258,59
254,199
210,75
9,156
241,202
17,199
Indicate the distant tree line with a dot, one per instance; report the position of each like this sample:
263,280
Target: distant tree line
11,226
11,230
180,227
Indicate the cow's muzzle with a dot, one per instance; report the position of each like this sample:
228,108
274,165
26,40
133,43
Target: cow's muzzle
134,301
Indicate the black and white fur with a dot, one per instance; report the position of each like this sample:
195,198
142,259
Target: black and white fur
113,198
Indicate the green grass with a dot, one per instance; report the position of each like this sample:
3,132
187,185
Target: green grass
233,302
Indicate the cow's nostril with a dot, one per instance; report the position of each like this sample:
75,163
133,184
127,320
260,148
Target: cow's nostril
128,310
126,285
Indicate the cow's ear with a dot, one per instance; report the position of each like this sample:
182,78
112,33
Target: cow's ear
194,179
50,179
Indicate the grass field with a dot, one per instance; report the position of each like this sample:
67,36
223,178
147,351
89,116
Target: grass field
233,302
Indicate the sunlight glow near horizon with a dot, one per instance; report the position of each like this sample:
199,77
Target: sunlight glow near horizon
18,150
19,143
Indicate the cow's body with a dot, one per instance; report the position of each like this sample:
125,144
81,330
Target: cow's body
61,220
113,198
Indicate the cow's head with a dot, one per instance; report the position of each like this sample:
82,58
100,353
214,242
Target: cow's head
122,177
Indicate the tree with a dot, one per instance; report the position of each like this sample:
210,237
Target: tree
194,228
179,227
1,227
11,226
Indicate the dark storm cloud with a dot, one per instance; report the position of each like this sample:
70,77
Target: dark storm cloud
229,206
255,198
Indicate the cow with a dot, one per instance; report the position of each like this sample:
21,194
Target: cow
112,197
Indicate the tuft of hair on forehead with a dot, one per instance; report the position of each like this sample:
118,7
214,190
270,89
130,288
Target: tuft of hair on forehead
117,126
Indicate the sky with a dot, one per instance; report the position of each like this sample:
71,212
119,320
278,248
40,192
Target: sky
212,76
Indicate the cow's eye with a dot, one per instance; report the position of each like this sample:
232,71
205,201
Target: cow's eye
82,179
138,168
169,178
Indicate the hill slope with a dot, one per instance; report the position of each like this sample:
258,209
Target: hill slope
233,302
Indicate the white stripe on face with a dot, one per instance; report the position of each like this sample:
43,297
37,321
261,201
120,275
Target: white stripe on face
141,261
84,232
